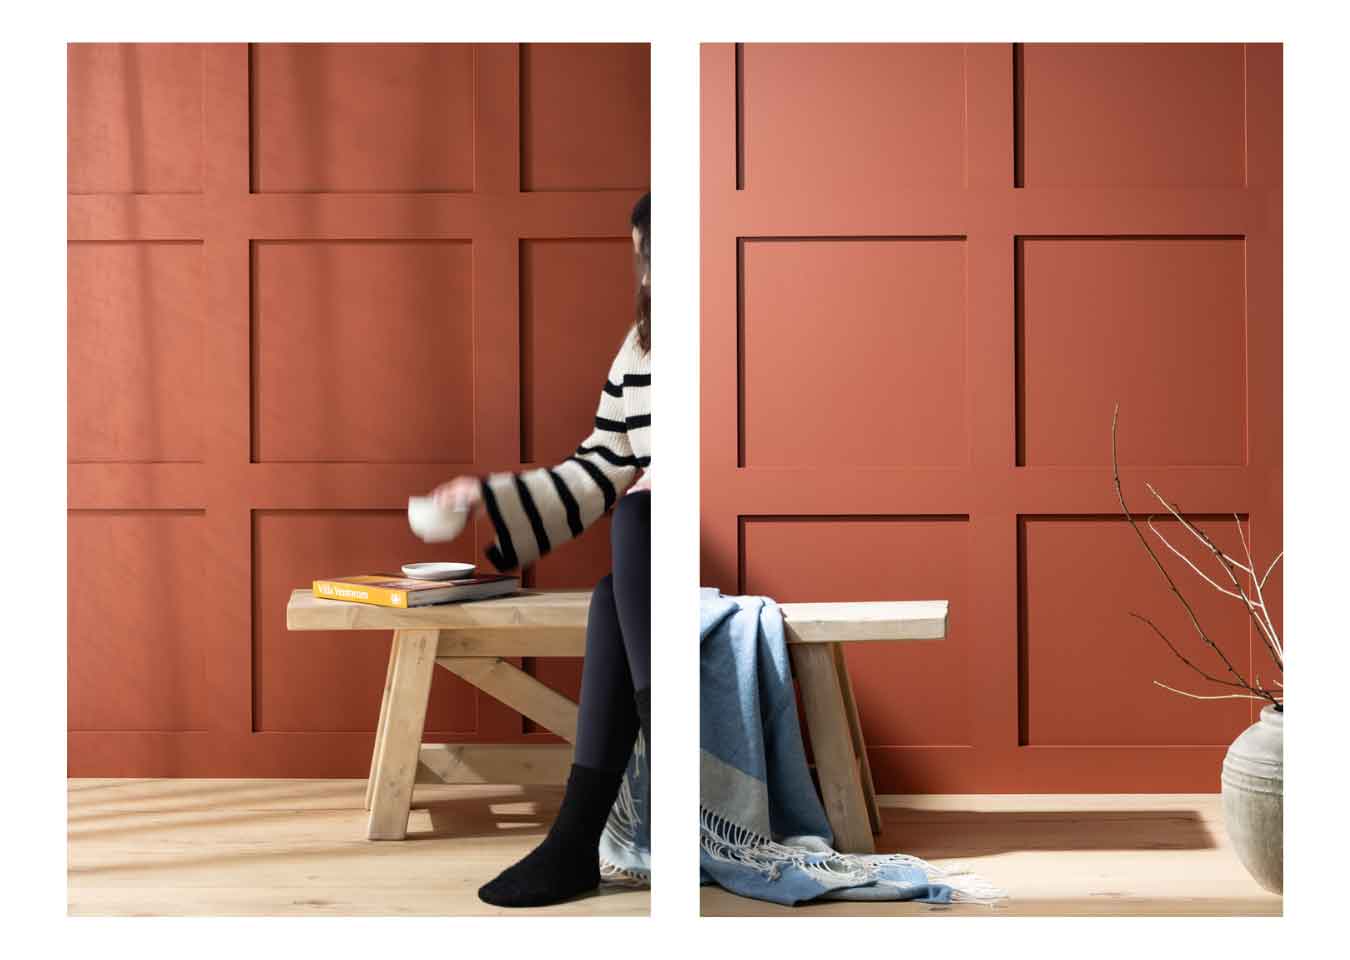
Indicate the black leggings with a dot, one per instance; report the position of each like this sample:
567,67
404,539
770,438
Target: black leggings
618,641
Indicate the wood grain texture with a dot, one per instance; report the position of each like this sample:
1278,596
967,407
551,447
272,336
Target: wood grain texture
856,736
559,614
1058,855
864,621
385,697
521,692
394,768
500,763
816,668
295,848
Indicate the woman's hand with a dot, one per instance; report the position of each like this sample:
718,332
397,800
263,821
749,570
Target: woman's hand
461,493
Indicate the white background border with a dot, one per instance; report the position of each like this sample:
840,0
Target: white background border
1316,356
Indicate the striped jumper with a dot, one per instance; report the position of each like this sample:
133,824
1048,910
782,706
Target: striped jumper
535,510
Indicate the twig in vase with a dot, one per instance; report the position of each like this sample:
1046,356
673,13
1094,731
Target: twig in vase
1214,696
1268,637
1238,680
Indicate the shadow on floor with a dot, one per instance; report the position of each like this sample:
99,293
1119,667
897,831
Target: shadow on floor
531,812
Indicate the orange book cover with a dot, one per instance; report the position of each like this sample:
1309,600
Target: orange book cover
386,590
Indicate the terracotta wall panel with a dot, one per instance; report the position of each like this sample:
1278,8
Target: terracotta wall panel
585,116
852,116
928,275
1088,666
1132,115
331,291
363,351
134,118
136,649
1157,325
890,316
362,117
135,355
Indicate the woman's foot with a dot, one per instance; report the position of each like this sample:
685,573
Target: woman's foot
567,863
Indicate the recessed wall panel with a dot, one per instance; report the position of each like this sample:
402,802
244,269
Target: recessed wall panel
1088,667
136,642
1157,324
135,354
853,352
134,118
908,694
585,116
1131,115
363,351
576,306
362,117
333,680
857,117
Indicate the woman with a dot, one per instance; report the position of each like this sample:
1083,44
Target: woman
532,512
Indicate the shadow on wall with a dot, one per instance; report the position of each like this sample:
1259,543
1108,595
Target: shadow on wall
944,834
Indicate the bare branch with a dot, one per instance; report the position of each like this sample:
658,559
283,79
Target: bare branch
1241,684
1278,557
1260,597
1216,696
1227,563
1187,560
1176,591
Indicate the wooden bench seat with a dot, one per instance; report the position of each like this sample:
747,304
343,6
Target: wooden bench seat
475,641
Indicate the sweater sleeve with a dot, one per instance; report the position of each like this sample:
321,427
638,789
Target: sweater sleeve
534,511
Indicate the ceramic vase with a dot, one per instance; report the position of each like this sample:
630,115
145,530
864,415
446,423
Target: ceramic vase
1253,798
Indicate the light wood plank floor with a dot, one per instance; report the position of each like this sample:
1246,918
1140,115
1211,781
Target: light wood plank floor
288,847
1143,855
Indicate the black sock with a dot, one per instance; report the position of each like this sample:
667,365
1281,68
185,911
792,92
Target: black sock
644,708
567,863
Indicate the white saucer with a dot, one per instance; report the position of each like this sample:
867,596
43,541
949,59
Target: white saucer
438,571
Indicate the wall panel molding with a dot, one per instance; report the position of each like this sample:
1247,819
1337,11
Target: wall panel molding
1119,243
387,177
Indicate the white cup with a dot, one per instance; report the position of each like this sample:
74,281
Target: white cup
434,523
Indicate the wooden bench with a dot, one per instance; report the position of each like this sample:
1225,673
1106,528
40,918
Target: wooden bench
475,640
816,633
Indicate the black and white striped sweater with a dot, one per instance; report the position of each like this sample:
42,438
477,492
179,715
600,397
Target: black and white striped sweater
535,510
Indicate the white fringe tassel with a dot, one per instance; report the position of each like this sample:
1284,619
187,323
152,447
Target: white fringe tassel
728,842
621,831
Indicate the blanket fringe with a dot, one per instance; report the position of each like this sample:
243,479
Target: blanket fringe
729,842
616,875
621,831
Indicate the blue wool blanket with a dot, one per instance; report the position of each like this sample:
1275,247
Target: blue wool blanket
763,832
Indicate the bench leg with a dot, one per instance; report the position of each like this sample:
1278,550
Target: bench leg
817,667
859,746
399,743
384,717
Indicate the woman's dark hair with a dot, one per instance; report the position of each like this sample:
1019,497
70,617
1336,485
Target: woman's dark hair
642,222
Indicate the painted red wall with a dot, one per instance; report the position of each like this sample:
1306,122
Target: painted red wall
306,281
928,274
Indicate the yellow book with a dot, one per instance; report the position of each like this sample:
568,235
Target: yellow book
385,590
